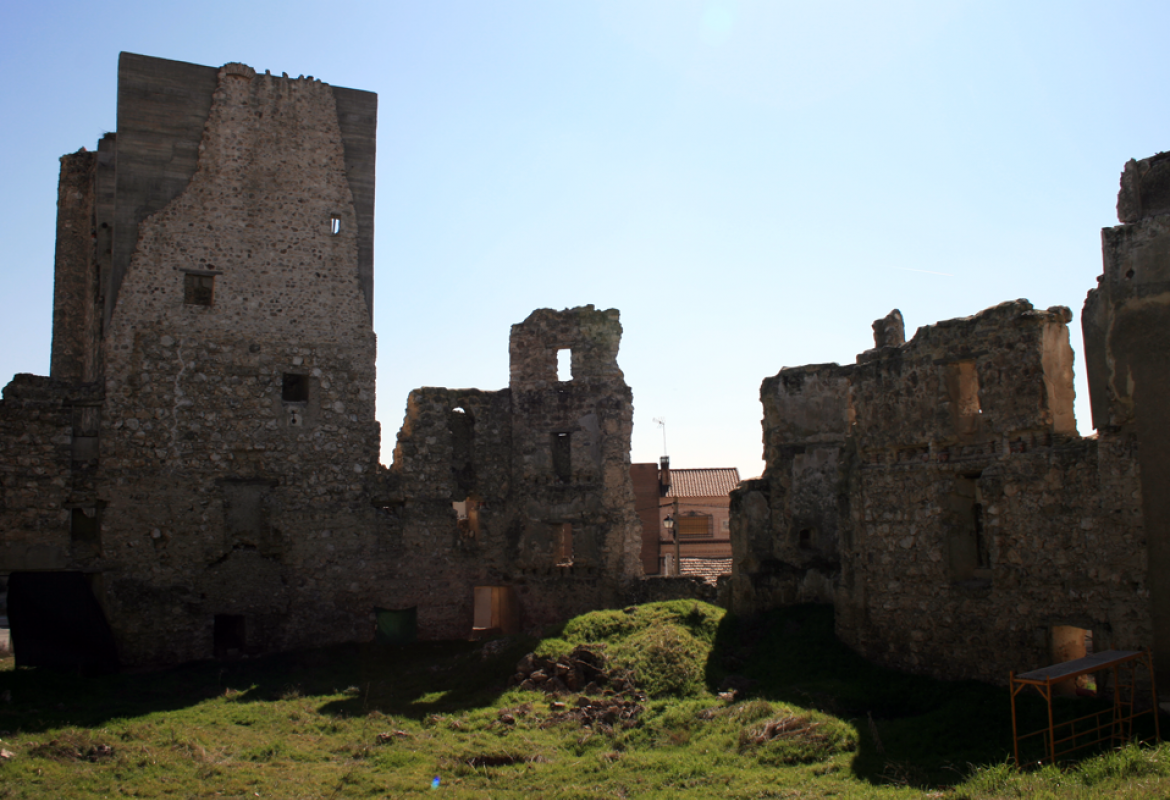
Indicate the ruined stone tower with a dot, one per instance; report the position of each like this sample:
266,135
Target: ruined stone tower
212,365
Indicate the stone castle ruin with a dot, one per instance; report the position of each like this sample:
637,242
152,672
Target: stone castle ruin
199,474
938,494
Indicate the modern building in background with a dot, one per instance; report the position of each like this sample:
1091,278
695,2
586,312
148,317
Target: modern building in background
685,519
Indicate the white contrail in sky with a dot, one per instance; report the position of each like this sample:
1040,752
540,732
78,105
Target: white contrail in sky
928,272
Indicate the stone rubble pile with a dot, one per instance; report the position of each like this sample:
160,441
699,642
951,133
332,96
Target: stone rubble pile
609,696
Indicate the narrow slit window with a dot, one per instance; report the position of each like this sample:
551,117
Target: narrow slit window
562,456
564,365
565,545
294,388
198,290
335,225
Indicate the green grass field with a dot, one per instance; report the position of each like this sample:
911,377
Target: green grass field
809,719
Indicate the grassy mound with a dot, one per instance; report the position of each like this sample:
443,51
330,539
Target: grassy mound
666,646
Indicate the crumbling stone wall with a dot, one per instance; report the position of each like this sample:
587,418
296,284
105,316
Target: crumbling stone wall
937,493
46,473
220,485
1127,350
558,528
206,451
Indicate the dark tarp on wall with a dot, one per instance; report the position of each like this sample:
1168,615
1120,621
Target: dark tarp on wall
55,621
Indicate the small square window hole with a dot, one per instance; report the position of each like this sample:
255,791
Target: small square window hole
294,388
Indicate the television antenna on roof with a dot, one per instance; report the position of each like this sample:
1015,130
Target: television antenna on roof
661,423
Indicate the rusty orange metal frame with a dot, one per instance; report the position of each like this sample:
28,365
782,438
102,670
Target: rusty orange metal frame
1114,725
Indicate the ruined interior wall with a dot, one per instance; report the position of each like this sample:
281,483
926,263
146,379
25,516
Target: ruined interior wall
785,527
196,412
532,459
591,487
978,522
970,517
454,447
1065,546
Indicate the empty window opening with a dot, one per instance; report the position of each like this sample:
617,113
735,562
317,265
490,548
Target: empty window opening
294,388
564,364
198,290
805,539
694,526
562,458
496,611
229,637
461,423
467,516
967,544
335,225
564,545
84,526
963,390
1068,644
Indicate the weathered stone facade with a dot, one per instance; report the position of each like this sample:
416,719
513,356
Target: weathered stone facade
526,489
217,477
937,491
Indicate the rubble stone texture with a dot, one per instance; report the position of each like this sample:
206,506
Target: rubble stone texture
938,494
206,450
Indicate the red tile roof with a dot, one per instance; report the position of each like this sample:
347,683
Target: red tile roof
713,482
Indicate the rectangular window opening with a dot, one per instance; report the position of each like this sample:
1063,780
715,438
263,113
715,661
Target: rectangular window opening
562,458
564,364
198,290
228,638
963,390
564,549
294,388
495,611
467,516
335,225
84,526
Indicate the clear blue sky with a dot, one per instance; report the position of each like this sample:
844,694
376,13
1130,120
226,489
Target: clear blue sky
751,183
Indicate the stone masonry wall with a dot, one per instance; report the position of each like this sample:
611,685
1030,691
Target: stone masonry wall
219,482
494,452
937,494
199,423
1127,347
46,471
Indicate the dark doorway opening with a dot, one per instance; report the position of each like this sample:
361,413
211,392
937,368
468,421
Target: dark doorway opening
229,636
55,621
